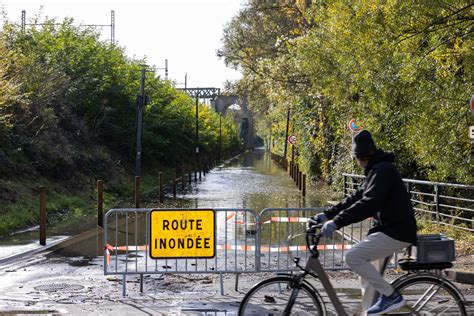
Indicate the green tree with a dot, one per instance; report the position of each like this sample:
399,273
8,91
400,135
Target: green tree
403,68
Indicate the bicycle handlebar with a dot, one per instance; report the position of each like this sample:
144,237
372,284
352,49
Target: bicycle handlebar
312,239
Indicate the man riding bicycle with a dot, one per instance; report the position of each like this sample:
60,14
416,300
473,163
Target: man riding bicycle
383,197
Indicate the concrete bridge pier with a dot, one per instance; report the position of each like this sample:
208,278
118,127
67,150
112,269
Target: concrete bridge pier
223,102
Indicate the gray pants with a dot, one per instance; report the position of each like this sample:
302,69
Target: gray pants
366,259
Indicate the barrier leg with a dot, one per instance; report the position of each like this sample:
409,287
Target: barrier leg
124,284
221,279
237,282
141,283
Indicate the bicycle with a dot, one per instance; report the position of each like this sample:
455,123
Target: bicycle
423,287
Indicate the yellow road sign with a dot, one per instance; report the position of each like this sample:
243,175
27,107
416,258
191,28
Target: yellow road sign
182,234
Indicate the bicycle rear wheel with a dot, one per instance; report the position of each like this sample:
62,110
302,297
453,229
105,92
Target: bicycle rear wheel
429,295
271,297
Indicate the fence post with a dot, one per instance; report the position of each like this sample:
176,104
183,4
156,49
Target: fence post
42,216
100,203
137,191
344,184
300,176
297,178
173,175
437,189
160,175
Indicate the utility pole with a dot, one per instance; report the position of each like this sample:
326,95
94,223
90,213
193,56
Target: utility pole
23,20
286,134
140,105
199,93
292,145
166,69
197,137
220,137
112,27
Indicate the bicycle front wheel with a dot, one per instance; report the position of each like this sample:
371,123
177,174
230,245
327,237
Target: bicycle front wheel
273,296
430,295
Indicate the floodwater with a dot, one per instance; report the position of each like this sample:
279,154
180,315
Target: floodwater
250,181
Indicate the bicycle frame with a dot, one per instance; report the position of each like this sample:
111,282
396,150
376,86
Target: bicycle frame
313,264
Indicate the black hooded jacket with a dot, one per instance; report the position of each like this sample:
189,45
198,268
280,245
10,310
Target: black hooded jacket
382,196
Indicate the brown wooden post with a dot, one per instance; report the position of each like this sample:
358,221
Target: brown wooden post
300,177
161,186
100,203
137,191
173,175
190,177
304,184
297,174
42,216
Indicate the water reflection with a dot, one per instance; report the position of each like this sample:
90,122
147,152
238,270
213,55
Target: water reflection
252,181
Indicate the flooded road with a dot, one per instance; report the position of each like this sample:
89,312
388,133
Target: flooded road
251,180
72,278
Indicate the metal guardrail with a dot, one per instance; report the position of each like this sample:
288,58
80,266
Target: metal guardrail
246,242
447,204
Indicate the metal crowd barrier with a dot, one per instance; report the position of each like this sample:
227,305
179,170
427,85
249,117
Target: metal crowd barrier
245,242
282,238
126,240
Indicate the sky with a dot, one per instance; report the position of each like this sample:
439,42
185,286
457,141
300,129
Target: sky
186,32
